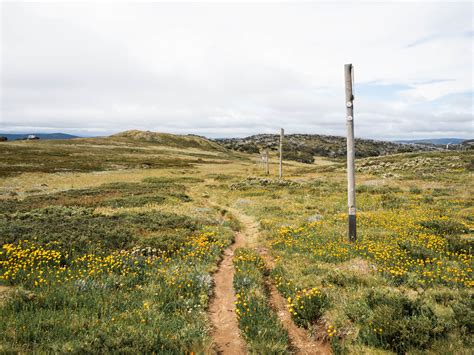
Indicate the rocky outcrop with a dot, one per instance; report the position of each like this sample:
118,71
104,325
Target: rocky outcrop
303,147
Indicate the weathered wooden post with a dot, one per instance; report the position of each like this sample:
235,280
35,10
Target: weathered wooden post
267,169
282,132
348,72
260,161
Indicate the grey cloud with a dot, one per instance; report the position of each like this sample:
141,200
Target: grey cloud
223,71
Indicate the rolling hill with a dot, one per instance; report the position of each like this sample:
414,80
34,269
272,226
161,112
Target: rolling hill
171,140
125,150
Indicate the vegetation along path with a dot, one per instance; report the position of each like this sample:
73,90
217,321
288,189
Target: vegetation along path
226,324
226,334
299,337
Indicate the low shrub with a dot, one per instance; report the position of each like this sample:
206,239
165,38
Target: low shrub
398,323
171,180
374,189
89,231
415,190
306,305
444,226
119,194
458,244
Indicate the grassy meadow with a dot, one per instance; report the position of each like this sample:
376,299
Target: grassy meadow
405,286
99,272
109,245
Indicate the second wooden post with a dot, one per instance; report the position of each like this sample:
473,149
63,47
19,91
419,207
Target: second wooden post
280,175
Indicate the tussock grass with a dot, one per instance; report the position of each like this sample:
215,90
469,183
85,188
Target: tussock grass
258,323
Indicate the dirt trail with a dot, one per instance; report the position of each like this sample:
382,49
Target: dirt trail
301,343
226,333
225,328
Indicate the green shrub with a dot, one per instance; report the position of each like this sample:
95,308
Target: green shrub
171,180
428,199
115,194
463,309
81,230
457,244
398,323
440,192
306,305
444,227
133,201
299,155
392,201
415,190
374,189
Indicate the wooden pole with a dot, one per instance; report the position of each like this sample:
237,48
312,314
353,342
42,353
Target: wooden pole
282,132
267,170
348,71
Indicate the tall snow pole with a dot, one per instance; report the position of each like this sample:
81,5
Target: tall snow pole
348,74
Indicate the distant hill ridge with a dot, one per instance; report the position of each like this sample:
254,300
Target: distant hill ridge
168,139
15,136
303,147
442,141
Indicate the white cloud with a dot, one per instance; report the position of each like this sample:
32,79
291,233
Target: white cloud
236,69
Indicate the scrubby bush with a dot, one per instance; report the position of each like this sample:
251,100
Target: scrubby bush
172,180
307,306
114,194
299,155
374,189
444,226
415,190
81,230
458,244
399,323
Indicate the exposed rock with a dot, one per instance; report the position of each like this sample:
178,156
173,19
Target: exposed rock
314,218
242,202
303,147
256,181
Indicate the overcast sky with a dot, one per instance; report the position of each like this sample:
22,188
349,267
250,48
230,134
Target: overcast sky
224,70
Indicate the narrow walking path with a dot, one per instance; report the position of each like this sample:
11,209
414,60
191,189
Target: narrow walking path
300,340
226,333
